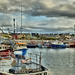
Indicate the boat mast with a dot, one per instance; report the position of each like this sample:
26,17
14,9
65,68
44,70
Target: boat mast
21,18
14,25
74,31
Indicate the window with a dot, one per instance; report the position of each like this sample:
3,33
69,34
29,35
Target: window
5,47
39,74
45,73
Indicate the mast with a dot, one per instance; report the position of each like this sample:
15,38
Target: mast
14,25
17,26
21,18
74,31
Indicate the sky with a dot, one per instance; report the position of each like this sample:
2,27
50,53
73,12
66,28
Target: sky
38,16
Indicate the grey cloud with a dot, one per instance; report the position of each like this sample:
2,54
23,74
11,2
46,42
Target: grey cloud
49,29
37,8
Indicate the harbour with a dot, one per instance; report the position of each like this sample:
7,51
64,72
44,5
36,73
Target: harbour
57,61
37,37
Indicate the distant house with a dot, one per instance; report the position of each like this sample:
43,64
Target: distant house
23,36
15,36
67,36
50,36
29,36
33,34
1,36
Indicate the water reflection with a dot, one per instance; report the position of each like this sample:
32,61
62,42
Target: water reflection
58,61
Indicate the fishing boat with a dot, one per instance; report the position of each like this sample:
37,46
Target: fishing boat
44,45
5,50
20,48
58,44
31,45
29,66
72,44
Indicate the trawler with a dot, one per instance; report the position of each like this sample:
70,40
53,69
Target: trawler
5,50
28,66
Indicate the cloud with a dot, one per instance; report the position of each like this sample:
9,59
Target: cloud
48,8
59,14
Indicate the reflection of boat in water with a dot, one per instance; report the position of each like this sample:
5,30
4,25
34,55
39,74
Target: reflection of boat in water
26,67
58,44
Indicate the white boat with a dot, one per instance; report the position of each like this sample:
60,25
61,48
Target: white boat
30,68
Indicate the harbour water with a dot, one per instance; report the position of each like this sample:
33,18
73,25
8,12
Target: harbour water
58,61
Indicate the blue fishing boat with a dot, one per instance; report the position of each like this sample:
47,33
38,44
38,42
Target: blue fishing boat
21,50
58,44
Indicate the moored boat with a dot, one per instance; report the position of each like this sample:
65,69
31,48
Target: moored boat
44,45
31,46
27,67
21,47
72,44
58,44
5,50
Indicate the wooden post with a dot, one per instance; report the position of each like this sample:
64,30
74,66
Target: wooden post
40,61
36,61
2,65
30,58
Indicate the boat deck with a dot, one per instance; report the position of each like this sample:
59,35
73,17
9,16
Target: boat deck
5,65
17,67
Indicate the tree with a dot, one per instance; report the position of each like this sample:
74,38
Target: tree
37,35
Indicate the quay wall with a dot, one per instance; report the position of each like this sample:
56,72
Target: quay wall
29,41
38,41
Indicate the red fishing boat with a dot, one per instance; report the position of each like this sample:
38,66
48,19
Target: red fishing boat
5,50
72,44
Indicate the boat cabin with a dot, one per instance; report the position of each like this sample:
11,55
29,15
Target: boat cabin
4,47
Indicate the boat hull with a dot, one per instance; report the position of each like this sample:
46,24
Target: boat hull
58,46
31,46
5,53
23,51
73,46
